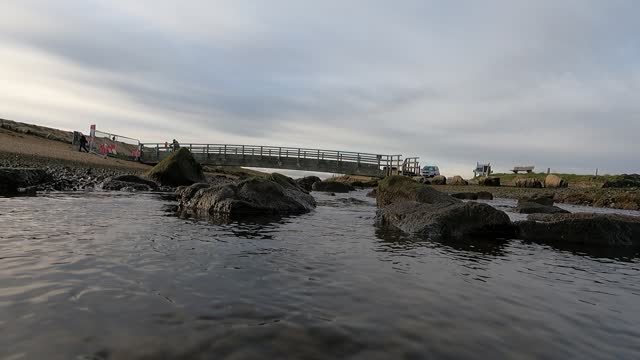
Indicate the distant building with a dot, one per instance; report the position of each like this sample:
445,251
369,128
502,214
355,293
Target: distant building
482,169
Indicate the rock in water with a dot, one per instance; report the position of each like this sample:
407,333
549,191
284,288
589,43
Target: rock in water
542,199
458,180
465,195
489,181
417,208
555,181
307,182
527,207
485,195
400,188
332,186
129,183
178,168
438,180
12,180
582,228
274,195
528,183
447,221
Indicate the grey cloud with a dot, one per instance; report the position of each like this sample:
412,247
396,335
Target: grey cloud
418,77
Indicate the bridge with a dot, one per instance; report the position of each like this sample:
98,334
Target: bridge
330,161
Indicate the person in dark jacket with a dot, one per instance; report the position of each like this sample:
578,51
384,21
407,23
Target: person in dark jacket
83,144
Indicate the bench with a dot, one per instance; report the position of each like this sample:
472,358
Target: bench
527,169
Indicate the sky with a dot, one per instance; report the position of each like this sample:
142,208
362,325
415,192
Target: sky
555,84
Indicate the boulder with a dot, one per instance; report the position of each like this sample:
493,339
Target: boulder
485,195
527,207
465,195
582,228
458,180
480,195
14,181
128,183
332,186
528,183
178,168
554,182
307,182
623,181
400,188
546,199
489,181
438,180
273,195
443,221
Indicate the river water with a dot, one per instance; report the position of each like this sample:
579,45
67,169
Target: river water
116,276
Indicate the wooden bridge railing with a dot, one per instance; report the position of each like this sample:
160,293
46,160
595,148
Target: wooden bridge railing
155,151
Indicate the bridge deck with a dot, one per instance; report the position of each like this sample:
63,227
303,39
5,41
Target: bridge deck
331,161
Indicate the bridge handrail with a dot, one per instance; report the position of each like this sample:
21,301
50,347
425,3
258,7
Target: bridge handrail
282,151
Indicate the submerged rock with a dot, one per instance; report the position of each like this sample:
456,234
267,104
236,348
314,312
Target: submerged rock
14,181
332,186
307,182
178,168
582,228
274,195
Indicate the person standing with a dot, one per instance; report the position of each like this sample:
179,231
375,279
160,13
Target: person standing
83,144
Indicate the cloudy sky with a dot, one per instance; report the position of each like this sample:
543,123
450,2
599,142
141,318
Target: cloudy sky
549,83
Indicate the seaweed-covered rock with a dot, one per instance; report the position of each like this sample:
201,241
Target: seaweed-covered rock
582,228
307,182
446,220
178,168
15,180
465,195
332,186
400,188
274,195
527,207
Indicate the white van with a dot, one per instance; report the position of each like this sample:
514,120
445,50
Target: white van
430,171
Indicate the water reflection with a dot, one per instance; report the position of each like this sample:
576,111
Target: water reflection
112,277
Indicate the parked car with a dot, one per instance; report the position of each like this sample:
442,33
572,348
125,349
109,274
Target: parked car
430,171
